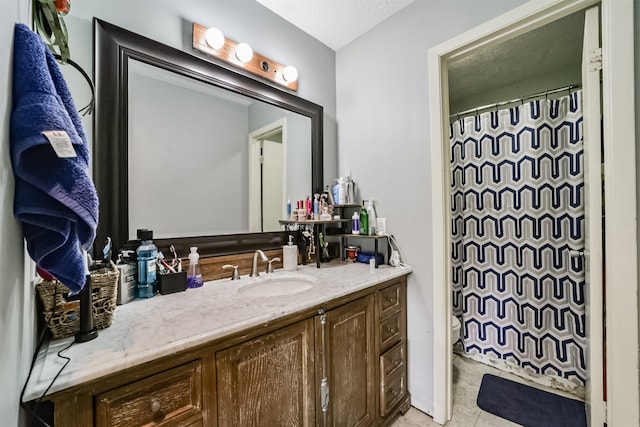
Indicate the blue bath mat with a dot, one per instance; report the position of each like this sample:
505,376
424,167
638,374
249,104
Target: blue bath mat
529,406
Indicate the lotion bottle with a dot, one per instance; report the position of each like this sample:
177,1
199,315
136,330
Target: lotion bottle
290,256
194,274
355,226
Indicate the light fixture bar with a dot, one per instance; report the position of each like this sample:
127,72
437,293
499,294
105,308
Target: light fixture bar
258,64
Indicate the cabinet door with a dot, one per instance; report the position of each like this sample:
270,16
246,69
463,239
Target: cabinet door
348,364
268,381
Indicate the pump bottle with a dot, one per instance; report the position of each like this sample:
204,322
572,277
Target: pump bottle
194,274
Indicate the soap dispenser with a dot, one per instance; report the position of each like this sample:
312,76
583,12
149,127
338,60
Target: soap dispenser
290,256
194,274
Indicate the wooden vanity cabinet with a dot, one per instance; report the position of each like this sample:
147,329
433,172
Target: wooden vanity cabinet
391,318
268,381
345,343
342,365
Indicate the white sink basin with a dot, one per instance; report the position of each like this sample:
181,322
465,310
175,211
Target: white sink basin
277,285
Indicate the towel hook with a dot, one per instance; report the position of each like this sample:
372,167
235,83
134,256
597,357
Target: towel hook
87,109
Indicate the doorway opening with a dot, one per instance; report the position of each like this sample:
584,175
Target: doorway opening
267,176
522,21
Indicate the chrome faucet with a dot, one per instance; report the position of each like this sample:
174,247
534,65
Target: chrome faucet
254,268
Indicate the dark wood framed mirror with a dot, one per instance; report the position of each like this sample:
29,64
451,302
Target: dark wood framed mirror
114,49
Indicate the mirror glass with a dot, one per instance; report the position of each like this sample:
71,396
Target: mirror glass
204,160
201,154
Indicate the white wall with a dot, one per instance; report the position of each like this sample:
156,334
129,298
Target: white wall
636,32
17,298
383,139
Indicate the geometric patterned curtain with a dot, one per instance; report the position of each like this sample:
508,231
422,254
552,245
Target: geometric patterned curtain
517,196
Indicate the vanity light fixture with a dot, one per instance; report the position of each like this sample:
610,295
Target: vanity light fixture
212,42
244,52
290,73
214,38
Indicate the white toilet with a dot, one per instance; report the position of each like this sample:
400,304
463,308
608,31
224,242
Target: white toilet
455,329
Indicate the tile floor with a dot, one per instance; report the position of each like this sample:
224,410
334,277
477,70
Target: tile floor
467,375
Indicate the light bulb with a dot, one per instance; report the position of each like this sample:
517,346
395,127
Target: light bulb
214,38
290,74
244,52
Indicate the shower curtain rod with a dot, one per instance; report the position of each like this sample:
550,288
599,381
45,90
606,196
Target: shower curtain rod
513,101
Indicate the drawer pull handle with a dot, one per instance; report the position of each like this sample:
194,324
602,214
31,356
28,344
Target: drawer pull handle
391,300
396,362
393,392
391,330
155,406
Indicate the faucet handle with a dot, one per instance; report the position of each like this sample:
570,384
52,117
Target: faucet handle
235,275
270,266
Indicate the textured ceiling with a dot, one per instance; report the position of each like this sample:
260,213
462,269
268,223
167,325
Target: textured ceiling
335,22
547,50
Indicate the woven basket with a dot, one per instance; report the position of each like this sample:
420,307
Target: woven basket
63,317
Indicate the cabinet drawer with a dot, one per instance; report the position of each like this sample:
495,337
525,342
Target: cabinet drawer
171,397
389,300
393,389
392,361
390,331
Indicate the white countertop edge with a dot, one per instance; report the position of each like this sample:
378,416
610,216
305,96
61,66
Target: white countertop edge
123,345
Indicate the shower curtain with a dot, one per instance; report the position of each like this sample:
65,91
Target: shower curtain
517,197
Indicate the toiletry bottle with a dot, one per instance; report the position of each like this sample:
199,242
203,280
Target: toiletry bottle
128,284
355,226
194,275
147,254
342,191
325,216
371,211
316,206
335,191
288,208
290,256
364,220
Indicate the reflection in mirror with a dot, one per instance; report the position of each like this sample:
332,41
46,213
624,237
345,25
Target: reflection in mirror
203,160
185,161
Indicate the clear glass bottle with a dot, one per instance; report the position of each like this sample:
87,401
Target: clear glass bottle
146,254
194,274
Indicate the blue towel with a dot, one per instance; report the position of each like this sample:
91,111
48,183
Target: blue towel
55,199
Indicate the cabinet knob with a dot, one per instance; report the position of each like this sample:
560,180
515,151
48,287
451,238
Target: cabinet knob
155,406
392,300
391,330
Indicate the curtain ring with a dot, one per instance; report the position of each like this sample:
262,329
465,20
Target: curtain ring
458,114
496,106
546,94
476,111
521,100
570,87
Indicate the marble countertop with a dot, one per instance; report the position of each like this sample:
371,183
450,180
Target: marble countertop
144,330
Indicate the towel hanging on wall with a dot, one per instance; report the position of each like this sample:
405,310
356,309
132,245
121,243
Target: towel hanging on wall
55,199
